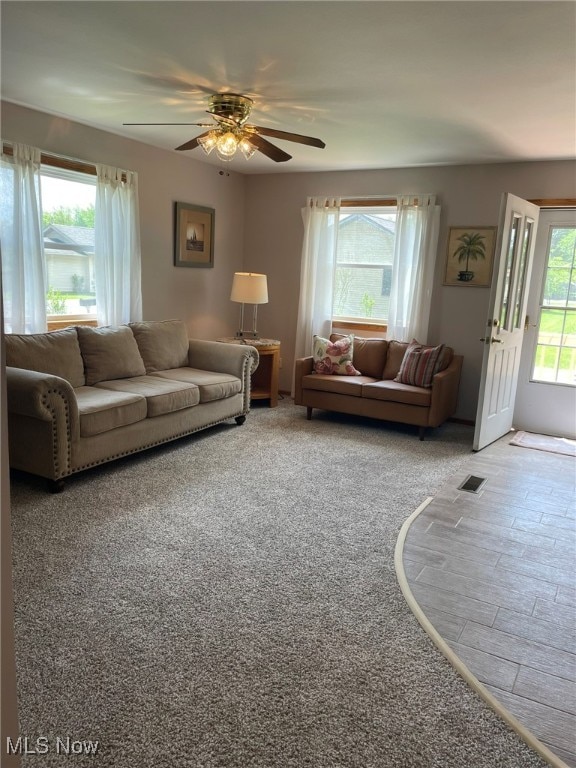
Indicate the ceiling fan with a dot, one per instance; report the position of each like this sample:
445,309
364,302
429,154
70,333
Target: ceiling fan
230,131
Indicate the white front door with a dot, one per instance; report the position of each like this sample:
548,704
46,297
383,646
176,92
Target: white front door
504,331
546,396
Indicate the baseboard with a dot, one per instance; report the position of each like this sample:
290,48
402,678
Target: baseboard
466,422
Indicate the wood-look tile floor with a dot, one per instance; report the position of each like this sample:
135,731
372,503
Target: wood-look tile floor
494,572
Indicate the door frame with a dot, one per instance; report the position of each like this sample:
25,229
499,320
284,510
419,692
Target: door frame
541,406
542,203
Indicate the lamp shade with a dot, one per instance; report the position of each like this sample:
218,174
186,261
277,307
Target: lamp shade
249,288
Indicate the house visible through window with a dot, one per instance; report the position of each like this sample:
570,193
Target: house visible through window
68,203
364,257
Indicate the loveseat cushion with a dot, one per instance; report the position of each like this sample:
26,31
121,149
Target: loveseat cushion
102,410
369,354
334,357
109,353
57,353
396,350
395,392
212,386
163,344
340,385
162,396
419,364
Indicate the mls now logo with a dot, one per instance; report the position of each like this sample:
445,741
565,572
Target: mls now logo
25,745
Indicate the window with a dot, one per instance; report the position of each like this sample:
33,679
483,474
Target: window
555,358
68,203
364,257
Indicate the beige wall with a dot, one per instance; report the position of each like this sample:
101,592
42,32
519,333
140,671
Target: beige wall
468,195
259,228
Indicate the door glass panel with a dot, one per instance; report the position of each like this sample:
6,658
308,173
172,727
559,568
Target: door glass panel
555,357
523,263
505,304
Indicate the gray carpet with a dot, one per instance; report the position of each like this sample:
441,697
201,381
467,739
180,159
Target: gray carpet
230,601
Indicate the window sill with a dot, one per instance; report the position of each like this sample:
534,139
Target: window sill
350,325
57,322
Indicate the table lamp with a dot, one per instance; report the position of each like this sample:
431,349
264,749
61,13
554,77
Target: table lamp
249,288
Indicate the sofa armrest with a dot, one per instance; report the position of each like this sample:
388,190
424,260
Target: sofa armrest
50,403
40,395
302,367
240,360
445,385
234,359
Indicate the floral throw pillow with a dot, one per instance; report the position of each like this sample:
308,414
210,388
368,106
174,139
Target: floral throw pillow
334,357
419,364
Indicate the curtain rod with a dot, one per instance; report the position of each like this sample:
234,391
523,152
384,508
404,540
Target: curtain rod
368,202
58,161
560,202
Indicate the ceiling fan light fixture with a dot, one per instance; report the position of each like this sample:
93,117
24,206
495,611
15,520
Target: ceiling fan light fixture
208,142
246,148
226,145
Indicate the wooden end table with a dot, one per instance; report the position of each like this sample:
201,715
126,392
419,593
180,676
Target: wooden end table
264,384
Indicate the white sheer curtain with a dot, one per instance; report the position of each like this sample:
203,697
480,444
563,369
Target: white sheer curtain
117,247
320,217
21,241
413,267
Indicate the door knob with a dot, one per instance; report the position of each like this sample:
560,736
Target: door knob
491,340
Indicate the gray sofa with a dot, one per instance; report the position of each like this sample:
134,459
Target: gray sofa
83,396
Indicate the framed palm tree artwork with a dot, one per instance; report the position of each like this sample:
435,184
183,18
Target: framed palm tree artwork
470,256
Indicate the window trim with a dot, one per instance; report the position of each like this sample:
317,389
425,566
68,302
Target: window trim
360,325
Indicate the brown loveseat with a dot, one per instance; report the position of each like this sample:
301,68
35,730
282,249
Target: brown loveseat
83,396
375,393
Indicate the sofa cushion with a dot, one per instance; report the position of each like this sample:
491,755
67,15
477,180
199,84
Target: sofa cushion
419,365
102,410
445,358
212,386
109,353
162,396
396,350
334,357
396,392
369,354
340,385
163,344
57,353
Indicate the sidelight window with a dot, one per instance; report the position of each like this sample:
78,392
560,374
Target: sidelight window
555,357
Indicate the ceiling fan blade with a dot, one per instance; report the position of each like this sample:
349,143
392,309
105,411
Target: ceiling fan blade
193,143
274,153
309,140
202,125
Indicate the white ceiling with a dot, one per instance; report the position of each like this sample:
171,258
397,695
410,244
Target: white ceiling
384,84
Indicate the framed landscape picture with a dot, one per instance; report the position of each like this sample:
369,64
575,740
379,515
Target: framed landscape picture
193,235
470,256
